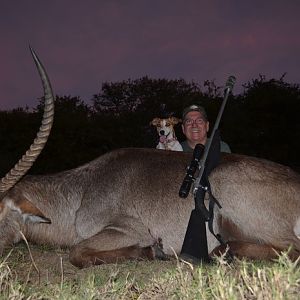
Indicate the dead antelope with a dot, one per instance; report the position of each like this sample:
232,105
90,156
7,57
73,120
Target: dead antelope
125,205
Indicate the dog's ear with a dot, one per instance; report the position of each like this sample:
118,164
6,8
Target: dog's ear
155,121
175,120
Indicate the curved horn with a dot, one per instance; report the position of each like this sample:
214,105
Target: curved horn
27,160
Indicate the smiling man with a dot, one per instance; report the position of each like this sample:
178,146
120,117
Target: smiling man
195,126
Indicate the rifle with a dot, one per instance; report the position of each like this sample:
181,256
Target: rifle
206,158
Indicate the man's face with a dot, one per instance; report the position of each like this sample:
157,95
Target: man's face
195,127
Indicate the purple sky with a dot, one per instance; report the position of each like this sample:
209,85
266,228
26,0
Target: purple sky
84,43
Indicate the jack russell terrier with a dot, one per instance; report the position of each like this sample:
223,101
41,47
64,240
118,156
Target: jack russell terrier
165,129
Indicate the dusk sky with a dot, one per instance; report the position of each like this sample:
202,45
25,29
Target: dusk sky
85,43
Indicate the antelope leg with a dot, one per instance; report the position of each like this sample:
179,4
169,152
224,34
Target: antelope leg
89,252
242,249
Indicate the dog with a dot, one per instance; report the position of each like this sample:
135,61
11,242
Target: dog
166,132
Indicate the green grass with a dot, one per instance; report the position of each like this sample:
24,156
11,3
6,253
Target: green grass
56,278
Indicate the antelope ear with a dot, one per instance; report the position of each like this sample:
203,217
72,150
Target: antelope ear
30,212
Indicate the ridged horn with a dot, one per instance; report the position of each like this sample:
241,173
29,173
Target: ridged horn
27,160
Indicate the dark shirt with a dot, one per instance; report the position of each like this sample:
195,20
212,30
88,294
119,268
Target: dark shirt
186,148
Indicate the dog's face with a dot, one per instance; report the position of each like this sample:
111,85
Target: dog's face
165,127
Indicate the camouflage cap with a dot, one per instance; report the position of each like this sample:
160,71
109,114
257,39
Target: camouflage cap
195,107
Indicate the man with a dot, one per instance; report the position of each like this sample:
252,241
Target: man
195,126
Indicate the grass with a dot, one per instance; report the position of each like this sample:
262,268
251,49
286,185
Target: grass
56,278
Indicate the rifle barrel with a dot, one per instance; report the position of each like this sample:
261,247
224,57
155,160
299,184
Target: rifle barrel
228,88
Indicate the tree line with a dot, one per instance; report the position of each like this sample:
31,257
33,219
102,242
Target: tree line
262,121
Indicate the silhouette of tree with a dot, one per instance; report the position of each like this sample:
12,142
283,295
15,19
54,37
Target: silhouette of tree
143,94
132,104
74,138
262,121
17,130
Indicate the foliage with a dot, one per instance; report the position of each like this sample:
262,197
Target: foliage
72,139
17,130
262,121
146,95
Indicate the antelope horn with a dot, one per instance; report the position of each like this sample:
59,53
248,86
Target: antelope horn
27,160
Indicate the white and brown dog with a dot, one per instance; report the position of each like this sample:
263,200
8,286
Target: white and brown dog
166,132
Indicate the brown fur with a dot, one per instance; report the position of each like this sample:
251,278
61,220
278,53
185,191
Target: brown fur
28,208
90,257
248,250
116,207
171,120
229,230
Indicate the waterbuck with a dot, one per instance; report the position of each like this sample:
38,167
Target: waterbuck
125,204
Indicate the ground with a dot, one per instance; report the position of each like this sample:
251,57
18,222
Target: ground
52,266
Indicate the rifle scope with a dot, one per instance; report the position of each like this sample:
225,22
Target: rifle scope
189,177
